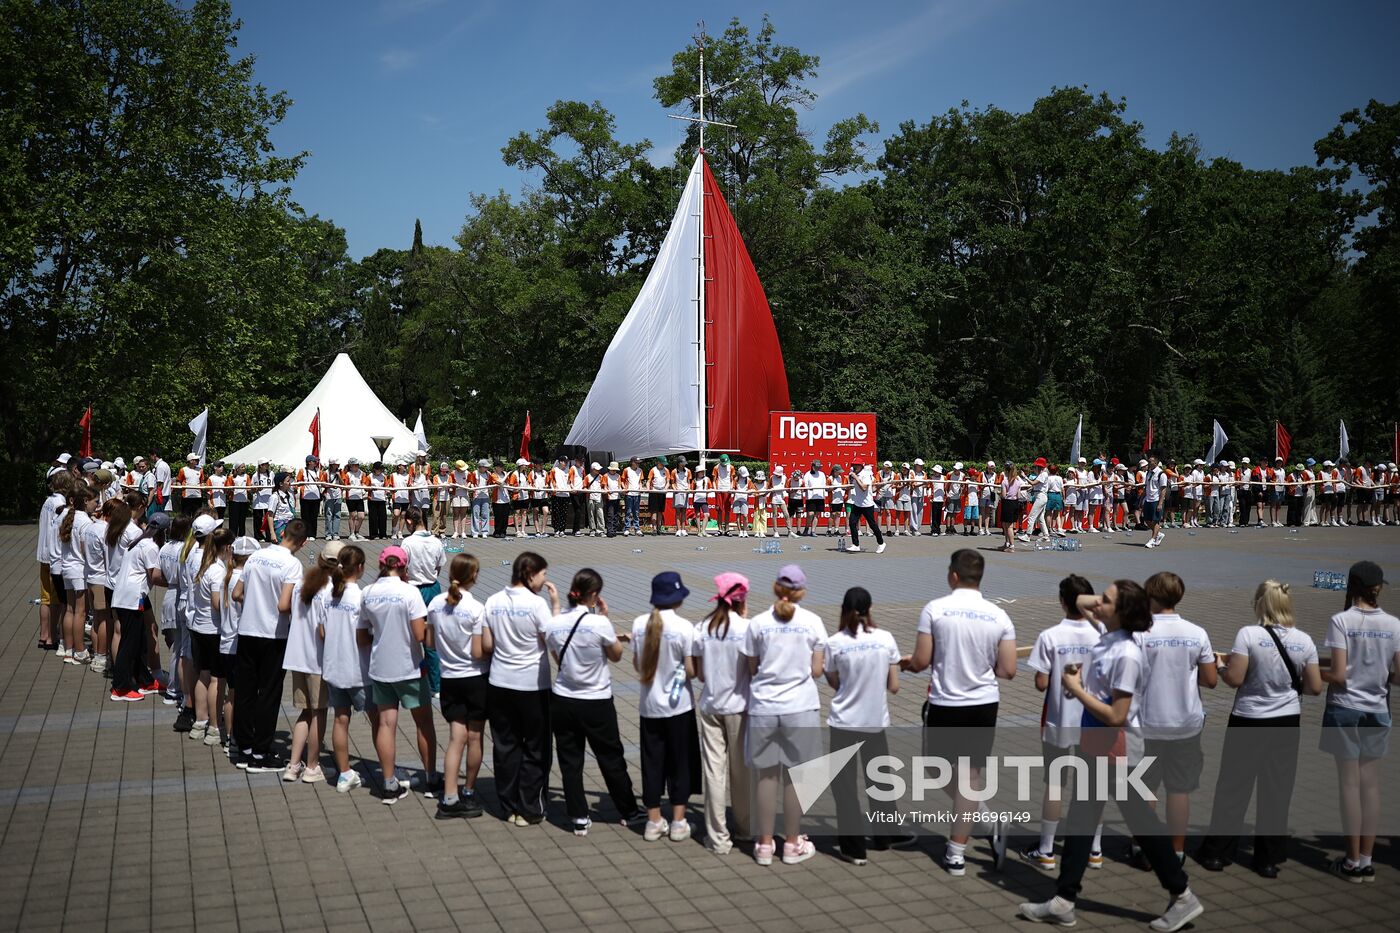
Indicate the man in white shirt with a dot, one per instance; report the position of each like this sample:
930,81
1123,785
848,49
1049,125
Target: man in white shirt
863,506
1177,661
814,485
969,643
264,593
161,471
1153,499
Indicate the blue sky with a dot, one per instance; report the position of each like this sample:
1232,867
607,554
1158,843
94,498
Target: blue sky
405,104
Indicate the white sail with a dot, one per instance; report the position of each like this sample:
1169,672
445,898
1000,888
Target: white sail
645,400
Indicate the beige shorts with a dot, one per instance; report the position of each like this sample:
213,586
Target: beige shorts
309,691
100,596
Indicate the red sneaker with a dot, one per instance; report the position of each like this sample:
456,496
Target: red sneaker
148,689
130,696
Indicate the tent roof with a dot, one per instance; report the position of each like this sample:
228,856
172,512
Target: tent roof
351,414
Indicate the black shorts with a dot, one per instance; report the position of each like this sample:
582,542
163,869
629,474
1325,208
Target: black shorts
1010,511
224,669
815,506
520,505
794,507
1178,764
463,699
204,651
354,505
954,732
656,501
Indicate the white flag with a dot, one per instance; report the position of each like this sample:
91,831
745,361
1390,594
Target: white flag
1343,442
419,433
1217,443
1074,448
199,424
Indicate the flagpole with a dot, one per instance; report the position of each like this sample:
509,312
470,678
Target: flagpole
1276,453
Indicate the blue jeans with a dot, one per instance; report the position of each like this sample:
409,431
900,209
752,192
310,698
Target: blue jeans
332,517
481,516
633,521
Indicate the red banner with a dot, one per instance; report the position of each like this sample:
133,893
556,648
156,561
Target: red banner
85,422
315,431
1283,442
525,439
796,438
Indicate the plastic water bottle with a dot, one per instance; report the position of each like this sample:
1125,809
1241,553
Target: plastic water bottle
34,601
636,550
505,563
841,542
677,686
701,547
806,547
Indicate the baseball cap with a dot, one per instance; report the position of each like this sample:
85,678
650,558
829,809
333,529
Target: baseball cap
918,461
64,458
159,520
331,550
353,461
595,465
792,576
743,471
310,458
393,550
888,463
1142,463
192,456
520,461
1244,460
731,587
249,545
723,458
992,464
958,465
1366,573
1040,461
205,524
938,468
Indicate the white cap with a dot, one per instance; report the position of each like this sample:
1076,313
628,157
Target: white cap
483,462
192,456
1244,460
1324,463
594,465
1083,460
918,461
245,545
1198,462
119,463
992,464
758,475
521,461
904,466
205,524
444,465
107,464
743,471
64,458
1232,464
778,469
1142,463
888,464
422,452
1123,467
938,468
138,459
958,465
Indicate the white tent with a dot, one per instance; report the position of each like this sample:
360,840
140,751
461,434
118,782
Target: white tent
351,414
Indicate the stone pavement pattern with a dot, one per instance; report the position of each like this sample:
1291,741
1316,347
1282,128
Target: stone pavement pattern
113,821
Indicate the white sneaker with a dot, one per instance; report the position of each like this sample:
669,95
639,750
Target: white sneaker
99,663
1183,908
654,831
880,548
1057,911
852,549
348,781
680,831
1151,542
799,851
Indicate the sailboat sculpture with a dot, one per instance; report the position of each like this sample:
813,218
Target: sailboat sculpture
696,363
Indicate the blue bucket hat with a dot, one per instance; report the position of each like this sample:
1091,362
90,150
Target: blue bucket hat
1311,462
667,589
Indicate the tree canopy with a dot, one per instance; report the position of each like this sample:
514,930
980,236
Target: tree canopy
978,277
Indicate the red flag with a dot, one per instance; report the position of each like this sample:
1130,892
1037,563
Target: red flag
1283,441
315,430
525,438
1147,443
85,422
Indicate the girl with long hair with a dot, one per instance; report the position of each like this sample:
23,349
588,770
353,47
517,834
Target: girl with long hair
670,753
717,661
324,579
345,663
76,516
132,680
97,578
205,595
453,616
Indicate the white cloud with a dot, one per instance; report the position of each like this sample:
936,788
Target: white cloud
398,59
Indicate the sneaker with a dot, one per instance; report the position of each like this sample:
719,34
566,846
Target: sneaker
1346,871
880,548
655,831
636,819
390,796
211,737
198,731
1368,874
763,852
184,720
348,781
1039,859
432,787
170,699
293,772
241,760
1057,910
150,688
82,657
99,663
313,776
130,696
451,811
853,859
998,842
581,826
1096,860
799,851
268,765
62,653
955,867
680,831
853,549
1183,908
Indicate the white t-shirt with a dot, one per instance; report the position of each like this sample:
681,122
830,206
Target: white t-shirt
45,549
189,579
228,618
1156,484
725,666
387,607
71,551
169,556
583,669
1172,651
264,575
202,598
863,498
133,581
1070,641
668,694
1115,664
453,628
1371,639
783,682
218,497
516,618
862,662
94,549
344,662
425,558
304,648
262,493
1267,691
967,632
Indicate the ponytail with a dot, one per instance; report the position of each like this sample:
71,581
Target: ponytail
717,623
326,569
352,560
220,539
587,583
461,575
855,611
77,499
651,646
118,517
788,598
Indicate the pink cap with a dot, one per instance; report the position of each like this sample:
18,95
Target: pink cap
393,550
731,586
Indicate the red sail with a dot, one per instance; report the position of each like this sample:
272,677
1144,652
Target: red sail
744,362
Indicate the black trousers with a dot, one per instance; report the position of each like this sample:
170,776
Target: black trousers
560,508
851,821
595,721
1261,752
1246,501
310,512
578,512
1295,512
257,669
129,669
237,518
1084,817
867,513
378,518
260,527
670,758
189,505
520,750
611,516
500,511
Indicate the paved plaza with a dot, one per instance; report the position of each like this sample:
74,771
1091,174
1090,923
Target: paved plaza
109,820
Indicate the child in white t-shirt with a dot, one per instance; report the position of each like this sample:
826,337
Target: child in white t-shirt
453,617
660,646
